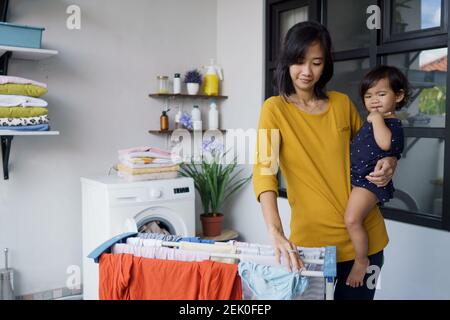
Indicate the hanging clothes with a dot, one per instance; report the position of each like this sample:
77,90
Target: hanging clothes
272,283
126,277
160,253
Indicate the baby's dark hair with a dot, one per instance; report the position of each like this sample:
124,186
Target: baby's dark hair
397,81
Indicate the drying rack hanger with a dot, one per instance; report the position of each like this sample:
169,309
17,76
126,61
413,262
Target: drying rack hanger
231,255
328,262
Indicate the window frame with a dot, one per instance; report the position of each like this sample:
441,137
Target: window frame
388,36
383,44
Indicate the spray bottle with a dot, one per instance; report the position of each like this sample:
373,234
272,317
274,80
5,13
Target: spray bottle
211,80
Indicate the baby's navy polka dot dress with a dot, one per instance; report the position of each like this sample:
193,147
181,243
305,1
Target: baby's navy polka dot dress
365,153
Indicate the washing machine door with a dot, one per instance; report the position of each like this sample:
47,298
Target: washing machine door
164,217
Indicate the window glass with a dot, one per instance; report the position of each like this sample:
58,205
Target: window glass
427,73
414,15
348,31
289,18
347,77
422,191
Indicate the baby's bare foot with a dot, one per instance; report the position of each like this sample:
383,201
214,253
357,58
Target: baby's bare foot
356,276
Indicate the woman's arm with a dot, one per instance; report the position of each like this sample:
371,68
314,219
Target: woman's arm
281,244
381,132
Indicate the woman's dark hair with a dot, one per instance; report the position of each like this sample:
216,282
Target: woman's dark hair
397,81
296,43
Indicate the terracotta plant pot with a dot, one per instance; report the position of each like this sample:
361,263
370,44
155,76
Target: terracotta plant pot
212,224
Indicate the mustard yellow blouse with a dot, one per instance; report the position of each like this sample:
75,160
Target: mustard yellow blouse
314,158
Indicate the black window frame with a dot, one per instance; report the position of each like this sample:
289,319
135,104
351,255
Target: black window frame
388,36
382,44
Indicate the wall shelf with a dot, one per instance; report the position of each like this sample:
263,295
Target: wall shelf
7,53
6,137
27,53
197,96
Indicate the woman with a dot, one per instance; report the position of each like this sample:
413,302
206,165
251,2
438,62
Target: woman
309,132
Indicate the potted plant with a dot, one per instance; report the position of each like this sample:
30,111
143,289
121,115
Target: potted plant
193,80
215,181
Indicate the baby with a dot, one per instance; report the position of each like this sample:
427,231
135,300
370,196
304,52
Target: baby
384,90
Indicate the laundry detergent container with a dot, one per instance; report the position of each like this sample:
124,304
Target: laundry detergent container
15,35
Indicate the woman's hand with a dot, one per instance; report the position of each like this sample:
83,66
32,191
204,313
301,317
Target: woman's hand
283,247
383,172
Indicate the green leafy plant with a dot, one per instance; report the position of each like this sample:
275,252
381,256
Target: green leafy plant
432,100
214,179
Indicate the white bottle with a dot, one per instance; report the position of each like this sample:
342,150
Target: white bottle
195,114
176,84
213,117
177,119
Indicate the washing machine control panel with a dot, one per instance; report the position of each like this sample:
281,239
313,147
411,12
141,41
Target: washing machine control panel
155,193
181,190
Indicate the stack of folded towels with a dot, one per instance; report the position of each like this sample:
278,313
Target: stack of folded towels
147,163
20,106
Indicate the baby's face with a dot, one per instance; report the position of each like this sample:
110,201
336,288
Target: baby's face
381,97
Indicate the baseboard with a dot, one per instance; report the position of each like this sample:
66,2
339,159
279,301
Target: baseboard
54,294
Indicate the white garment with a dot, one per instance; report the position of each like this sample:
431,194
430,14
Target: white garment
144,242
18,80
10,100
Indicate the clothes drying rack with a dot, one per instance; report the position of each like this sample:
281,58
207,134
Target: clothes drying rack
327,261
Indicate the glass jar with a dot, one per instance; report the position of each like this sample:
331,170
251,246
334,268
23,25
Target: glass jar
163,84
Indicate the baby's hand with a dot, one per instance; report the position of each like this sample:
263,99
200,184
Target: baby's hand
374,115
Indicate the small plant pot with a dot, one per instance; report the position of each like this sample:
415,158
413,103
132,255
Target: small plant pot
211,224
193,88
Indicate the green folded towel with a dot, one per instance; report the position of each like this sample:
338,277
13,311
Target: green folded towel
29,90
21,112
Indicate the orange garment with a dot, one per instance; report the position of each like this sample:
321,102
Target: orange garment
114,276
124,276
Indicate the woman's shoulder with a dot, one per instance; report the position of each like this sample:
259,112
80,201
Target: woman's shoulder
337,96
275,100
274,103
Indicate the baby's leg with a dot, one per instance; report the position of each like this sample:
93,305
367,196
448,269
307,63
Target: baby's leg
360,203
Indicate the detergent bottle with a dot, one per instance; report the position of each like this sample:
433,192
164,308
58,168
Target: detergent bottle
211,80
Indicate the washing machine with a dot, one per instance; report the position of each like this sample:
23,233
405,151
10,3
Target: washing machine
111,206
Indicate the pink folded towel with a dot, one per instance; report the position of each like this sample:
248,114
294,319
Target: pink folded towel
153,150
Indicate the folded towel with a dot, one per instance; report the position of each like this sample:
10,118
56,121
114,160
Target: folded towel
29,121
20,112
172,157
39,127
132,165
129,170
8,100
146,151
148,176
18,80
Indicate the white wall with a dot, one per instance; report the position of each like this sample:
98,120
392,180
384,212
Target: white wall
98,100
416,263
240,49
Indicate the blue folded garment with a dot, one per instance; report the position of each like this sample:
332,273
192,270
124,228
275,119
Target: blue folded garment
38,127
197,240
